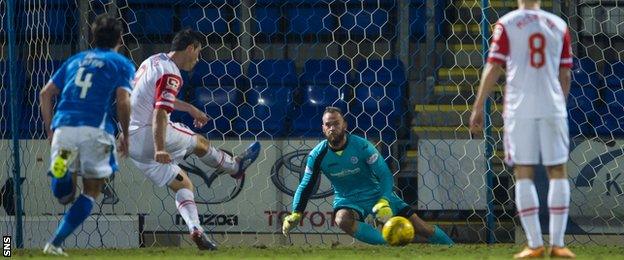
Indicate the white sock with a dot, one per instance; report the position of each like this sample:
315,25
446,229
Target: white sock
527,204
220,160
185,202
558,202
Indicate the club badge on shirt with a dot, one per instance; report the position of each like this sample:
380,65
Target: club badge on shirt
354,160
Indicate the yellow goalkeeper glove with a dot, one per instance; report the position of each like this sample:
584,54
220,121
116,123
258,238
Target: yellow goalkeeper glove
382,210
290,222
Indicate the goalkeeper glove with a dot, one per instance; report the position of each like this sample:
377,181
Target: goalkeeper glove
290,222
382,210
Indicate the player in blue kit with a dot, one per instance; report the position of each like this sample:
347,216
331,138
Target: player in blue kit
362,184
82,129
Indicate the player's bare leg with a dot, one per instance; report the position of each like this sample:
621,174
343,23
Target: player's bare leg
527,204
421,227
235,166
347,221
185,202
558,203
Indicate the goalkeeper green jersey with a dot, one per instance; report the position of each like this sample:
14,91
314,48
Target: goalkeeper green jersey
357,173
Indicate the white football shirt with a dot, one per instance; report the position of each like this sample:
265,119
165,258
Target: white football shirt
156,85
532,44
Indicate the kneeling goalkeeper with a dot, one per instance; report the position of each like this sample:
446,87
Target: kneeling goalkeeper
362,183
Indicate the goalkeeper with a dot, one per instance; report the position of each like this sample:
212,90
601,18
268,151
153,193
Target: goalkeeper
362,183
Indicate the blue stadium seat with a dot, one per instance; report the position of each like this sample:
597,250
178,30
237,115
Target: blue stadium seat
585,73
152,1
42,71
334,72
378,95
181,2
305,20
272,73
5,116
31,124
267,2
264,114
614,74
307,118
208,20
367,22
267,20
322,1
150,21
418,22
612,117
47,22
583,117
384,72
221,73
220,103
178,2
4,74
378,108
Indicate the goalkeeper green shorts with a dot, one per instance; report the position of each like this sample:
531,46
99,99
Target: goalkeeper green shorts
364,208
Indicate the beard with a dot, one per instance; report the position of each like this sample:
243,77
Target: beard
335,139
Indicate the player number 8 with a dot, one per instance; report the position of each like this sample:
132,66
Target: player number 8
537,44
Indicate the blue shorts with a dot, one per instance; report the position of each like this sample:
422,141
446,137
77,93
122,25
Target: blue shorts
364,208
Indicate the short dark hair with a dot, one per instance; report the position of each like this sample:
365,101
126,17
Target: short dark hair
106,31
333,110
186,37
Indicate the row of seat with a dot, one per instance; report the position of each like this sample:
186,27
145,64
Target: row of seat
283,72
273,98
320,20
272,101
594,109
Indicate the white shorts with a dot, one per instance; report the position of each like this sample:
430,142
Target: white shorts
179,141
526,139
96,156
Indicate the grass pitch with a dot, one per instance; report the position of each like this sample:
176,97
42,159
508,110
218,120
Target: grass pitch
413,251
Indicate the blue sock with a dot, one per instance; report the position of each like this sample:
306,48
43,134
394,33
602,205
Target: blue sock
439,237
368,234
63,186
72,219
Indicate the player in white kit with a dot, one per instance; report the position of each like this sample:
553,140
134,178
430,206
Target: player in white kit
533,47
159,144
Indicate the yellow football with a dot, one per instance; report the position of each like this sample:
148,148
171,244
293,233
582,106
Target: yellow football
398,231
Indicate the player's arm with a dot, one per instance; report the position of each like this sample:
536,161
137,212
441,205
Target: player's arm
46,95
565,64
489,77
200,118
123,116
122,96
166,90
159,130
303,193
565,78
380,169
499,49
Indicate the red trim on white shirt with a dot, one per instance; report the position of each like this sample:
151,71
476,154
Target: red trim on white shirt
167,88
499,48
566,52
